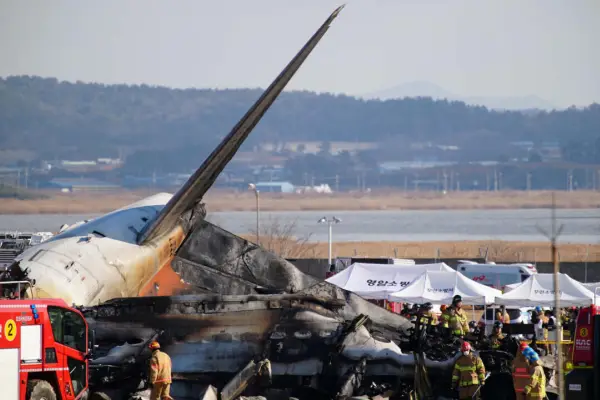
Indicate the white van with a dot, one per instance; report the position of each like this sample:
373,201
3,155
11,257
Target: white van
497,275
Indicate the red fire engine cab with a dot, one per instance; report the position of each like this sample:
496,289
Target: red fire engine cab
43,350
583,382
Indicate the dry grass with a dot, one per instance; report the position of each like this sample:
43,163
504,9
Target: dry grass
280,238
496,250
86,203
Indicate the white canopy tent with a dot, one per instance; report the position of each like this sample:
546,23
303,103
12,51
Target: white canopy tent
591,286
512,286
377,281
538,290
441,286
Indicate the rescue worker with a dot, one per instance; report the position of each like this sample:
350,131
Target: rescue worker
549,324
458,318
520,370
445,317
497,336
536,320
468,373
536,386
160,373
427,316
499,316
502,315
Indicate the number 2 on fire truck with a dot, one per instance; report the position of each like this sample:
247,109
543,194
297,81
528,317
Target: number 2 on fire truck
10,330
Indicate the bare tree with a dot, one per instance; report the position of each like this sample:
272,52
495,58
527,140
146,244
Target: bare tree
279,237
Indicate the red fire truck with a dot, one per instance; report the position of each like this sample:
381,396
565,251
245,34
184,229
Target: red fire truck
583,382
44,350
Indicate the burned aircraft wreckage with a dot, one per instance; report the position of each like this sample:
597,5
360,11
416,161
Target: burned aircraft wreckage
243,314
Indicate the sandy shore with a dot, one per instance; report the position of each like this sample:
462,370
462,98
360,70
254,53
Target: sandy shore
86,203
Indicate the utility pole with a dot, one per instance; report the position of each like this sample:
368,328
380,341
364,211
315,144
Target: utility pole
337,183
495,180
529,181
330,222
553,236
445,182
252,187
364,185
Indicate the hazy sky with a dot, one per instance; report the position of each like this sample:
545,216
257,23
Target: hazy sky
548,48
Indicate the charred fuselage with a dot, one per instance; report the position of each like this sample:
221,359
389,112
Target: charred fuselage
244,303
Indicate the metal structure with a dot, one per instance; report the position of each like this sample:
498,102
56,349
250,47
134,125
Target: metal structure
330,222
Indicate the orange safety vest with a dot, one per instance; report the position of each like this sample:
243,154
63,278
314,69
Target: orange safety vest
520,373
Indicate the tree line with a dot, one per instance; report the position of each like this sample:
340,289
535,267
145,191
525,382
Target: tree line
177,127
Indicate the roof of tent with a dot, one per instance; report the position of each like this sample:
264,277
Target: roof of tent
592,286
511,286
441,286
538,290
377,281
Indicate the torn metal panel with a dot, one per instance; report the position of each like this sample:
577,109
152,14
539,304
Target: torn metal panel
216,248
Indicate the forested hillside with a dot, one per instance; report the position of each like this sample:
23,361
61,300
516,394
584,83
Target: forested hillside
60,119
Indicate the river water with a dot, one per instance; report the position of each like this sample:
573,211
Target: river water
580,226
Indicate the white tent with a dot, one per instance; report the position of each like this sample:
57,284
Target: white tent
592,286
512,286
377,281
441,286
538,290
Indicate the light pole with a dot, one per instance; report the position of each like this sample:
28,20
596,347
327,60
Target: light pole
330,222
252,187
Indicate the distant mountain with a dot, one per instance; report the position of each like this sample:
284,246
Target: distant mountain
428,89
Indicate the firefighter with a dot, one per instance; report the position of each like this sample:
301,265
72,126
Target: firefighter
536,386
160,373
458,318
445,317
520,370
427,316
502,315
468,374
497,336
499,316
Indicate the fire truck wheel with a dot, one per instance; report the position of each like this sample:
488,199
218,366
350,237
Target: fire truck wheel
40,390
